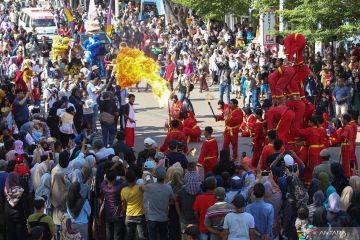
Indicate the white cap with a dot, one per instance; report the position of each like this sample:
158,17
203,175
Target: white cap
289,160
149,142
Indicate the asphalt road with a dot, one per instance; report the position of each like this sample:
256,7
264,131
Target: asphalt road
151,119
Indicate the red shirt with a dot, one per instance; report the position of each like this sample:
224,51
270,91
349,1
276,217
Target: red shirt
267,151
36,93
209,154
174,135
201,205
169,72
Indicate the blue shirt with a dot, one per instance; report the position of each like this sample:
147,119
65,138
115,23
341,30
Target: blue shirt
341,92
21,112
83,217
263,214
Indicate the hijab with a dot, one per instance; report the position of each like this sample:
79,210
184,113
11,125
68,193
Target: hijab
314,187
40,170
346,196
334,203
355,182
324,181
340,180
44,187
74,200
59,189
319,218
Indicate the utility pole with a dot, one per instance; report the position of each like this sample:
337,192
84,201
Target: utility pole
281,27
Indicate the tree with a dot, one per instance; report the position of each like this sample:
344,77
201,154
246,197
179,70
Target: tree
322,20
216,9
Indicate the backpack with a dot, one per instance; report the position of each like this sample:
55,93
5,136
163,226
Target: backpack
46,233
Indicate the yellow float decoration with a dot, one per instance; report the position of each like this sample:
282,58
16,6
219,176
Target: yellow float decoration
60,47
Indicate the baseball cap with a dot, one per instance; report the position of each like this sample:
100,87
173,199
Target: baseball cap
149,142
219,193
149,164
160,173
325,153
289,160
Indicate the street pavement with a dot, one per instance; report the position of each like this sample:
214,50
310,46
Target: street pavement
150,121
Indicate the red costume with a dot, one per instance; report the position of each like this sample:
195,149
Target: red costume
281,119
266,151
232,125
247,126
258,143
310,153
346,137
209,155
279,79
309,110
175,110
191,129
294,44
174,135
353,143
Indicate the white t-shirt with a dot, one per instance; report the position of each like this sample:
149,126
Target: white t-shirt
238,225
91,88
132,116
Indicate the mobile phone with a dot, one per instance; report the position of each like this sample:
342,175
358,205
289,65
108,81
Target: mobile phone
265,173
352,164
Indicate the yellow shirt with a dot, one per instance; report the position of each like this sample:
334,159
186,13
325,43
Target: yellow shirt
134,200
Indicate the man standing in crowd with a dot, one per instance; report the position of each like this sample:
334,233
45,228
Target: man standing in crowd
129,115
44,48
341,95
21,108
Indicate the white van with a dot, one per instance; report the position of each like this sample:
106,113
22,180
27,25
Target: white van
43,20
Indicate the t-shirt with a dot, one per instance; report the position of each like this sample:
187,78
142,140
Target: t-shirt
91,88
113,207
238,225
134,200
215,216
46,219
186,202
21,112
156,201
201,205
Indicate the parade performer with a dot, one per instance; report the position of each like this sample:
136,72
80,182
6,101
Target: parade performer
175,108
208,157
60,47
129,114
92,48
278,81
224,110
353,124
268,149
259,137
190,128
233,120
279,118
247,126
310,152
175,134
293,44
309,111
346,136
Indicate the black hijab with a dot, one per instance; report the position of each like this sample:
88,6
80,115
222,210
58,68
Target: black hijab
74,200
340,180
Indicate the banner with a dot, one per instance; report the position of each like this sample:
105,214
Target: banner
267,26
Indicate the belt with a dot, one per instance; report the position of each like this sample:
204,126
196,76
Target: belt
206,158
316,146
345,144
293,96
230,129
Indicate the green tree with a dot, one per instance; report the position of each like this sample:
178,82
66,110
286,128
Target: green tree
216,9
323,20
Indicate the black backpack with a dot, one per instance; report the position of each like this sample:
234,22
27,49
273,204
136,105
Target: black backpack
46,229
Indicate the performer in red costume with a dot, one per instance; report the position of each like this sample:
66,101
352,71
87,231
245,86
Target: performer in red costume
278,81
208,157
175,108
175,134
247,126
268,149
233,121
310,153
224,110
353,140
309,111
293,44
279,118
190,128
347,134
259,138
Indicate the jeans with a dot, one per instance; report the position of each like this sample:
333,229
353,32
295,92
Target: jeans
225,89
133,225
204,236
95,116
108,133
157,230
188,105
115,229
255,98
341,109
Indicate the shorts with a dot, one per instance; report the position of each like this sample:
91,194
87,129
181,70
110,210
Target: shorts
264,87
237,88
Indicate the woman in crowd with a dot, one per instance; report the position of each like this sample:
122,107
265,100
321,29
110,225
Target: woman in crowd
316,205
340,180
327,188
78,209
